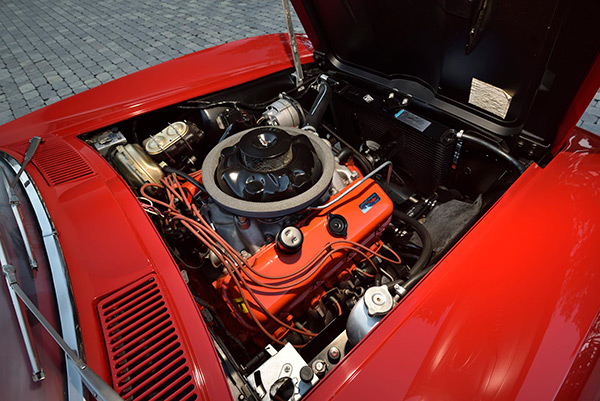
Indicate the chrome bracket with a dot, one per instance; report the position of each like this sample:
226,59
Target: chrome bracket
293,44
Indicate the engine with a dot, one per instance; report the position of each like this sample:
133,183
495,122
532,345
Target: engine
261,178
288,231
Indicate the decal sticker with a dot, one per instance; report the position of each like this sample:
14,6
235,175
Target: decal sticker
240,304
413,120
368,203
489,98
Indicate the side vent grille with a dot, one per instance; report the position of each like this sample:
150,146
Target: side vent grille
146,356
59,162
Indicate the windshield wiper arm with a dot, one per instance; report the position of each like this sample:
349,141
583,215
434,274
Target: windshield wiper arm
33,145
14,202
99,388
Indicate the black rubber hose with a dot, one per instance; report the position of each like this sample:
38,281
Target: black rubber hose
426,251
363,164
319,106
411,282
493,148
344,154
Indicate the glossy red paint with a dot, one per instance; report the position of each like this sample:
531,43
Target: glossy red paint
107,239
196,74
510,312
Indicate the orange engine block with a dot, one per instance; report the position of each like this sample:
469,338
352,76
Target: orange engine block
367,210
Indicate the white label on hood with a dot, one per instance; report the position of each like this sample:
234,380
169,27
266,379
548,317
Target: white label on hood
489,98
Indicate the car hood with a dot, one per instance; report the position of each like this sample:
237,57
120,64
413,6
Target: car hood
491,62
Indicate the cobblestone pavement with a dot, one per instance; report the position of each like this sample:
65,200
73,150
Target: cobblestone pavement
50,50
590,120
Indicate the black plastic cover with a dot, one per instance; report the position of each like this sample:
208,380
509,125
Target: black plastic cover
267,165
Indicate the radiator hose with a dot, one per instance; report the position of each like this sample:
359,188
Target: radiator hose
426,251
492,148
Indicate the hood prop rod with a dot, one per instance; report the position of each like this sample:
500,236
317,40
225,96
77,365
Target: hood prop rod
293,44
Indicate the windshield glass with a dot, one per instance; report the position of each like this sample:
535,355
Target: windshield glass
16,371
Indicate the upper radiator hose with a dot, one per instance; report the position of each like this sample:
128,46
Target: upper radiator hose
470,138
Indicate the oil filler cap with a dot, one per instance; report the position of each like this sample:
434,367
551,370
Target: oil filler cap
289,240
337,225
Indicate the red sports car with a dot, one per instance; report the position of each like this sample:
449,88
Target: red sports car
395,206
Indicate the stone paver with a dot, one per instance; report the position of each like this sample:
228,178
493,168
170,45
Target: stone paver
50,50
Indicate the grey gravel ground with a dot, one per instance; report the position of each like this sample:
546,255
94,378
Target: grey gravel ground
50,50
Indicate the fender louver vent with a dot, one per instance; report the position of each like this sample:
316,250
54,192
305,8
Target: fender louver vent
146,356
59,162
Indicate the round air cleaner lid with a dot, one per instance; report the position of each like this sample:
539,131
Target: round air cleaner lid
268,171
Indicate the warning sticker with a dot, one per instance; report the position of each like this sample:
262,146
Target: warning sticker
412,120
240,304
489,98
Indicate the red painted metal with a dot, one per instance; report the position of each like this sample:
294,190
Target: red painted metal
107,239
59,162
363,227
196,74
147,359
510,312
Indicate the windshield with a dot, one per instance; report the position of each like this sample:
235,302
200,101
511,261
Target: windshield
16,370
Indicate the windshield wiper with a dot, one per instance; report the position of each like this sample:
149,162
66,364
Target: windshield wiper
13,199
33,145
99,389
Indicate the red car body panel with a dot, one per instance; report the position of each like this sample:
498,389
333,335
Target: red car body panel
506,314
106,237
196,74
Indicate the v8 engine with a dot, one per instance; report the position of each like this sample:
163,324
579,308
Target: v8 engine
289,169
297,222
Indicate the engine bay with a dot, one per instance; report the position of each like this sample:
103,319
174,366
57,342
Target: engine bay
301,215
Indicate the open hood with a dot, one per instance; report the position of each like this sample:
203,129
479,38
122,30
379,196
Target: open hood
493,63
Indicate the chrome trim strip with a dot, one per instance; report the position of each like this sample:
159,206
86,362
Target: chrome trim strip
58,268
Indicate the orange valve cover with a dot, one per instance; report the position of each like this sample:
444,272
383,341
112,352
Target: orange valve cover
367,210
